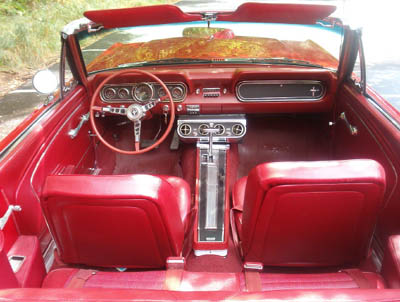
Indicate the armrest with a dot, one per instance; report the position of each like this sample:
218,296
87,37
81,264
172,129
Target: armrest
7,277
391,262
31,271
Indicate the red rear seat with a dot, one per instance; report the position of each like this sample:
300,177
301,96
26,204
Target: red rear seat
204,281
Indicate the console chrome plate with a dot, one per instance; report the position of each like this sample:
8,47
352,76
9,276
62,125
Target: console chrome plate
190,127
222,253
212,182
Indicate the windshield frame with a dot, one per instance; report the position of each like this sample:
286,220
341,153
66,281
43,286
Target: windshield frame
332,25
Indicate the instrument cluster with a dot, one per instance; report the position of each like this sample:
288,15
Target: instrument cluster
141,93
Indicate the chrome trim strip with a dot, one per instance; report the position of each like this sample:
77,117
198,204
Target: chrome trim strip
27,130
76,26
222,253
48,255
383,111
280,99
253,266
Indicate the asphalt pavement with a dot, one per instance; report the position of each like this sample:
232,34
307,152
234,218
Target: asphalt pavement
383,68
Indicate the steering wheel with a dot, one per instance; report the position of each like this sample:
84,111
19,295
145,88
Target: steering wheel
135,113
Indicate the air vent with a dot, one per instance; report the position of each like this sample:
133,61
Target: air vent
185,129
238,129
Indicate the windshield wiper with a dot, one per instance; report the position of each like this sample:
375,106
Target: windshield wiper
274,61
171,61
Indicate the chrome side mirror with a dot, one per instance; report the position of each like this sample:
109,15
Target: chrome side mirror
45,82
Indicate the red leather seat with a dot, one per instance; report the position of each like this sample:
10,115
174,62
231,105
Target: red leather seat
308,213
120,221
149,280
205,281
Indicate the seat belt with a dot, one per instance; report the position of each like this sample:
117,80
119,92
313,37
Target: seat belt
80,278
359,278
235,236
252,276
174,273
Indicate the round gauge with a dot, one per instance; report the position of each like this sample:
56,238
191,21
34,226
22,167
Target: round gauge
143,92
221,129
177,92
109,93
123,93
201,129
161,92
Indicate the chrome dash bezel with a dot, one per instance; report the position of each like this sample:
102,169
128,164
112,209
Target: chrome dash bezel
281,99
131,87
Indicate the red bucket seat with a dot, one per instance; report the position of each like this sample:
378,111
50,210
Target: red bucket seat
308,213
120,221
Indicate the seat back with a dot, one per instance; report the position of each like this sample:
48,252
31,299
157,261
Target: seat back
311,213
118,221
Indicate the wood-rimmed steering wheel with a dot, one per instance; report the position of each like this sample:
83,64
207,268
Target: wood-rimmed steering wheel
135,113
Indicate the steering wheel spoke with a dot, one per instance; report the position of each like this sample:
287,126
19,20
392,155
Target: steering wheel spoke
114,110
137,129
150,105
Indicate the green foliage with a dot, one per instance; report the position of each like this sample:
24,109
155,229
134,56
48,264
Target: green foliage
30,29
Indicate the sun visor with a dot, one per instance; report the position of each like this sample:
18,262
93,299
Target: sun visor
141,15
278,13
247,12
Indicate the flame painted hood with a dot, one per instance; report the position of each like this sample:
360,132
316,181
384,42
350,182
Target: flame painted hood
212,48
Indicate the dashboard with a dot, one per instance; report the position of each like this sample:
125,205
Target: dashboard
226,90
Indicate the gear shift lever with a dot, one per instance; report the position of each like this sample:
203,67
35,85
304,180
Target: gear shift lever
210,132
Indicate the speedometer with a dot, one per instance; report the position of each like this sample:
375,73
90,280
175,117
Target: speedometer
143,92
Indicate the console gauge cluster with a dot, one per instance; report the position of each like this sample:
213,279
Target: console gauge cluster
230,127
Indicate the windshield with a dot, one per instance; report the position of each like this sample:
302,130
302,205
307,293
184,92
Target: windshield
222,42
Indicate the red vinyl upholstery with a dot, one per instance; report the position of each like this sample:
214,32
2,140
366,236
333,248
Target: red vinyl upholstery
308,213
206,281
391,262
119,220
108,295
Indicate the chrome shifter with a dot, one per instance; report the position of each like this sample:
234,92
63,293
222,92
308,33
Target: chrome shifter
210,132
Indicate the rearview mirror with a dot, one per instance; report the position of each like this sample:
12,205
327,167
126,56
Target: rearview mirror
45,82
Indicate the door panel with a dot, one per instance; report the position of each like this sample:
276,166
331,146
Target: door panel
46,150
378,139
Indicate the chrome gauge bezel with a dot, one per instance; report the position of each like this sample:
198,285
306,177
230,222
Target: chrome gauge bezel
140,86
156,88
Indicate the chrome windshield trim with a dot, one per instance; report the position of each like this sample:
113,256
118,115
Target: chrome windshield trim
28,129
387,115
76,26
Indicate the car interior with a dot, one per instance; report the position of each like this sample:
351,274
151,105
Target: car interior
214,190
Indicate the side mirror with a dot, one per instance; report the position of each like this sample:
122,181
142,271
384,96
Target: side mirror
45,82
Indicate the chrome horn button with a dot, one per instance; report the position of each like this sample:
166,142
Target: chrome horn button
135,112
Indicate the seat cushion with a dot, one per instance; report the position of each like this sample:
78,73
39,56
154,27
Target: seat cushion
309,213
118,220
273,281
204,281
150,280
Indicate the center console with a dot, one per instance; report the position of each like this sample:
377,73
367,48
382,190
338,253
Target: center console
212,135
